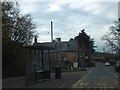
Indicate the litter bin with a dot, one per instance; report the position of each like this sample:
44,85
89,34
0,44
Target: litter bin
57,72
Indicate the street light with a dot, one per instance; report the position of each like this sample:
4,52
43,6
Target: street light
118,29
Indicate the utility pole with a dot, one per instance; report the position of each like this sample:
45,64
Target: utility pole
78,54
51,31
104,54
118,36
119,26
119,39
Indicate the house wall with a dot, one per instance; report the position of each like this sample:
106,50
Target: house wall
54,59
59,57
71,56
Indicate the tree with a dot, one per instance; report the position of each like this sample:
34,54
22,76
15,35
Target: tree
85,46
112,38
17,31
16,27
85,42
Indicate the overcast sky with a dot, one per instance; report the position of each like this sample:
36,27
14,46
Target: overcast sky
71,16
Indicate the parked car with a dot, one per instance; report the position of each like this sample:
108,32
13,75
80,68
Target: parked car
107,63
117,66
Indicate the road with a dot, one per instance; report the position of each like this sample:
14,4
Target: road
100,76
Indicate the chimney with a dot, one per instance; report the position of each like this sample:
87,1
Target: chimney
58,40
35,40
51,31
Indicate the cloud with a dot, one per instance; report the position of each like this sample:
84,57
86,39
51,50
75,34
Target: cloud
65,1
71,17
27,7
53,7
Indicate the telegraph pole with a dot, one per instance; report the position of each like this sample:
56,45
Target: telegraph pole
118,37
51,31
119,50
119,26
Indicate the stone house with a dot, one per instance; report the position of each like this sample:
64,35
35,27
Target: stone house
65,51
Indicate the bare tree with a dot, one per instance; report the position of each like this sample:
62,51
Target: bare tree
112,38
16,26
17,31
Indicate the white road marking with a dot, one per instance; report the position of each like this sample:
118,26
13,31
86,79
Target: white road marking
103,88
67,82
112,87
86,84
81,84
97,83
116,82
104,84
111,72
95,88
82,79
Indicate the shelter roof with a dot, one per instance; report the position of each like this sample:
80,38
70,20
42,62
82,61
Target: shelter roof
40,47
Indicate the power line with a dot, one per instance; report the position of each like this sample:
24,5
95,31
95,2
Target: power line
66,26
61,24
85,13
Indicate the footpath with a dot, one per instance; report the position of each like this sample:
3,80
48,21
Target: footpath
68,79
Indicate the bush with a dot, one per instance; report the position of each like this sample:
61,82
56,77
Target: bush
91,64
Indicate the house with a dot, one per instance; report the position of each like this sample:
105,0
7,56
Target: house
65,51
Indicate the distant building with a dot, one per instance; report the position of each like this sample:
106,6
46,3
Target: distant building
66,51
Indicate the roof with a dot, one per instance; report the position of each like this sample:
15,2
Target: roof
40,47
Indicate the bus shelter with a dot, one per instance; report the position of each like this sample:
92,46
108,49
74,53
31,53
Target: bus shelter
37,63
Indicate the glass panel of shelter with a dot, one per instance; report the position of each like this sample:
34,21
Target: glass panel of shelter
37,60
45,60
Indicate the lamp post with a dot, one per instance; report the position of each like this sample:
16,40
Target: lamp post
119,50
118,47
118,36
119,40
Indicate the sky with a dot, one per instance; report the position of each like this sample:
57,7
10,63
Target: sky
70,17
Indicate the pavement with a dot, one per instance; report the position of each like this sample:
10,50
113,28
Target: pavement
67,80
